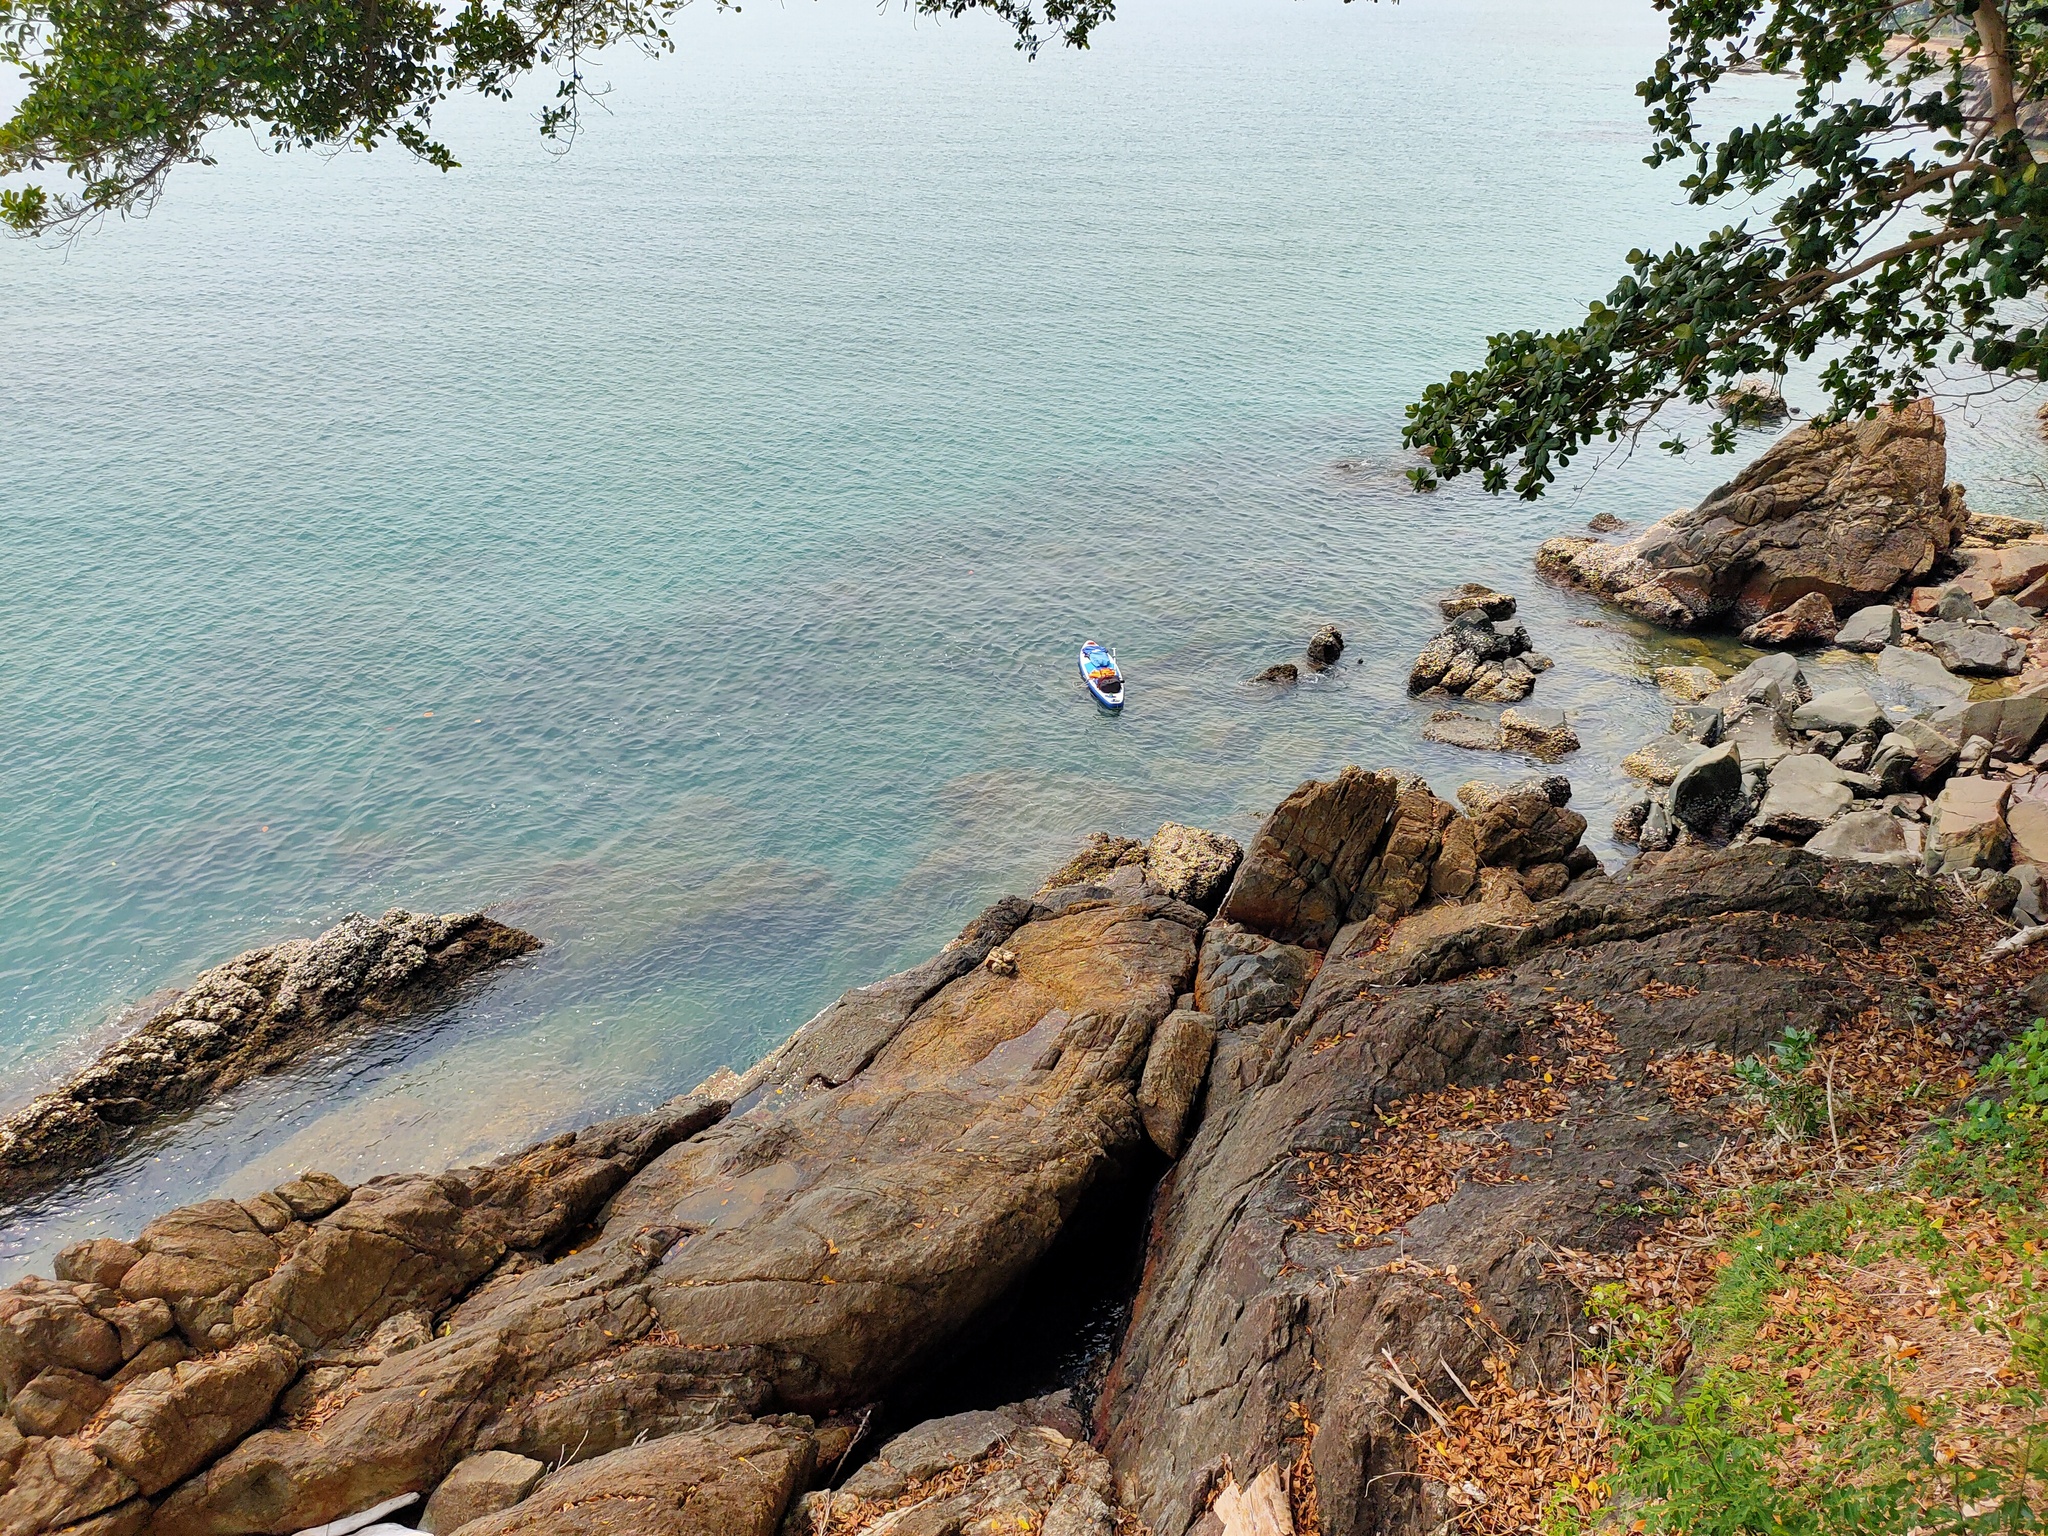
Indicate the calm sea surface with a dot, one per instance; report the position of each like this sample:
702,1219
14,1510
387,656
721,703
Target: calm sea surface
681,546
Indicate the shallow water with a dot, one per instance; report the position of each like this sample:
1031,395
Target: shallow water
682,546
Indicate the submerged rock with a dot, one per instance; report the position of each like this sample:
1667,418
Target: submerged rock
1850,511
255,1014
1455,728
1685,685
1285,675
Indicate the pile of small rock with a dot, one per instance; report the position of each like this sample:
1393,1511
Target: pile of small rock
1472,658
1961,791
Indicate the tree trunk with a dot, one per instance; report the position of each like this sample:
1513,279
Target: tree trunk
1994,47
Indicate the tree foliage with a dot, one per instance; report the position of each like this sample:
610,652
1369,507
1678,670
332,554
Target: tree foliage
1905,237
123,92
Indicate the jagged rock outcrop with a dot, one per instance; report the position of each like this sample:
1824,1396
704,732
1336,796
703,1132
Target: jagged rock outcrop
679,1322
1301,1243
250,1016
641,1292
1471,658
1851,512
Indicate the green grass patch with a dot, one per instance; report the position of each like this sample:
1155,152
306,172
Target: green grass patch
1868,1359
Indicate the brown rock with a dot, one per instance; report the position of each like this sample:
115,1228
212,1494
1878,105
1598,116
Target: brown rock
1969,826
479,1486
1849,511
167,1425
1190,865
312,1195
57,1401
804,1254
1100,857
1809,620
1026,1467
122,1520
1284,674
1246,978
138,1323
414,1244
1261,1308
1474,597
97,1261
1307,863
239,1020
59,1483
158,1355
1174,1068
734,1481
199,1260
44,1324
1523,828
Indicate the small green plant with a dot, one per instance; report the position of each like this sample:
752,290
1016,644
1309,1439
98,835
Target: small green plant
1997,1145
1795,1107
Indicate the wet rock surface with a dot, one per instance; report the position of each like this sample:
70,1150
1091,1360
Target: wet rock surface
256,1013
1850,512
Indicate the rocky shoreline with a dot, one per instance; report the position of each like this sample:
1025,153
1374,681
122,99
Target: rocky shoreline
252,1015
686,1321
1369,1098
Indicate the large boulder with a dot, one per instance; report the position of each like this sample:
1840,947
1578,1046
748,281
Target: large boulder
255,1014
1870,629
1804,794
733,1481
2026,817
1849,511
824,1242
1544,734
1388,1179
1707,795
1875,836
1247,978
1472,658
2013,724
1775,682
1174,1069
1969,826
1309,861
1847,710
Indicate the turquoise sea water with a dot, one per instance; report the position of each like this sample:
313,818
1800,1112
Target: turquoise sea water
681,546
